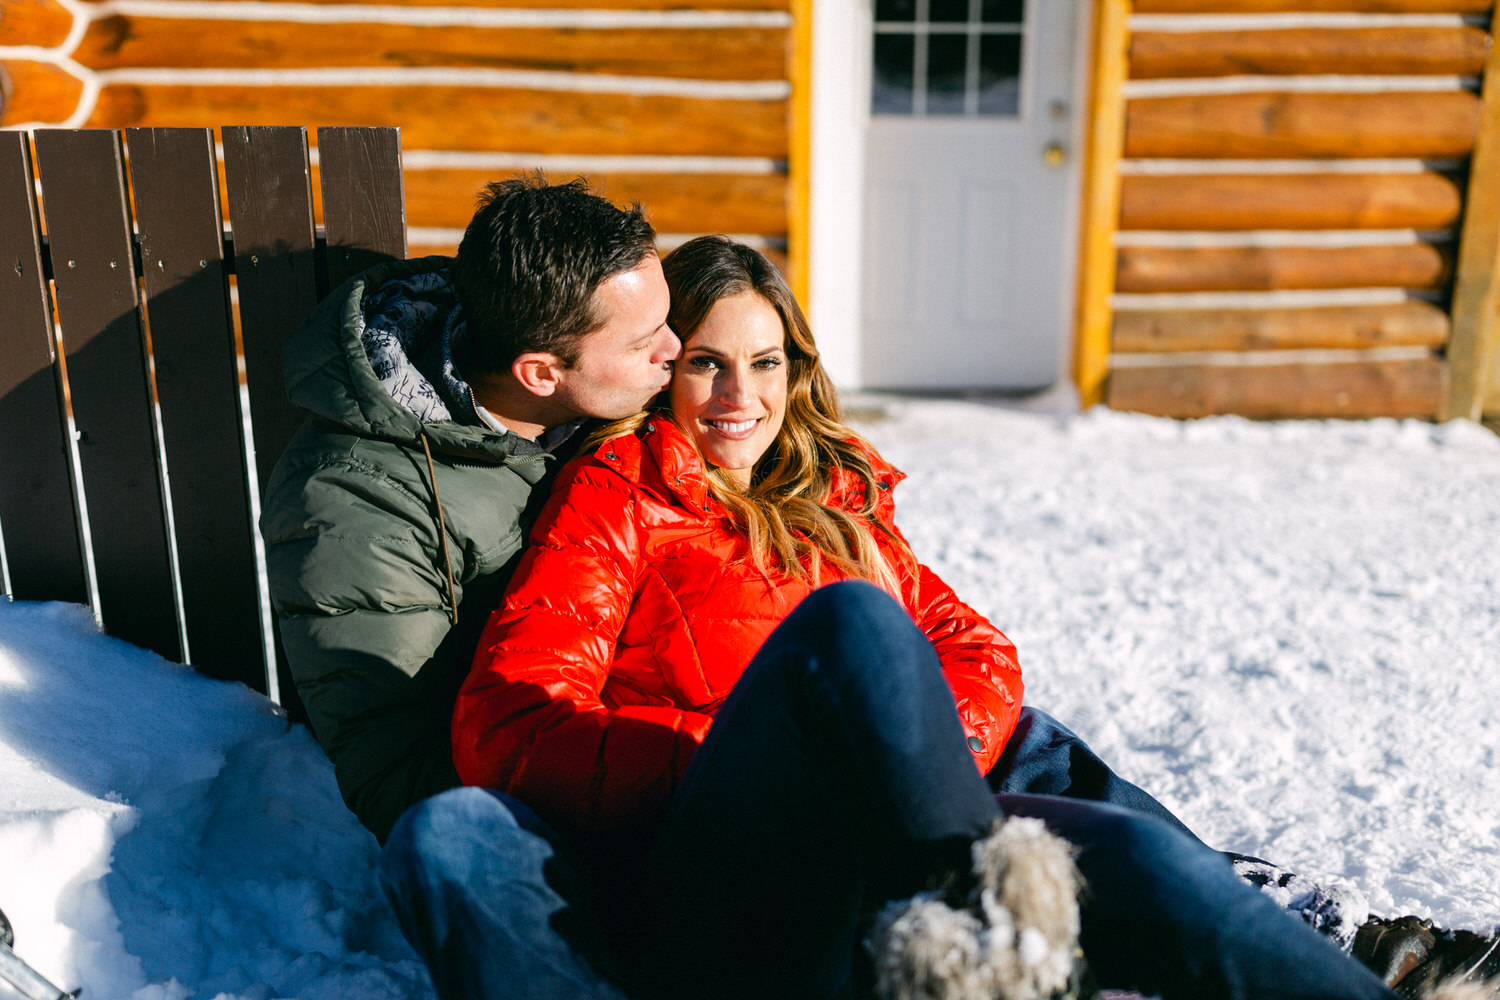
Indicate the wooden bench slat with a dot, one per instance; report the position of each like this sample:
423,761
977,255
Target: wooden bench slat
271,218
38,514
84,202
269,195
364,214
175,180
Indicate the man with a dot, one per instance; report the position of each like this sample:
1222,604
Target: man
443,394
442,398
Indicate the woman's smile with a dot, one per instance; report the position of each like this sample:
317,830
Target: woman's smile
729,387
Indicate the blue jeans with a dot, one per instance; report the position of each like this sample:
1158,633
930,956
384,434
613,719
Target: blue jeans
836,778
484,895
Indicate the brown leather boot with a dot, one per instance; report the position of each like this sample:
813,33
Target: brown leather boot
1393,948
1413,957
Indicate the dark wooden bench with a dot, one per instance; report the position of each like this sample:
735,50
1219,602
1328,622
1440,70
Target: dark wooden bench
134,457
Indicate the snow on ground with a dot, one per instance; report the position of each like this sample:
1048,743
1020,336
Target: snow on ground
1287,631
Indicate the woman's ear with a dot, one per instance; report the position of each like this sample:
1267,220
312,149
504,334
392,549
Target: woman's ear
537,372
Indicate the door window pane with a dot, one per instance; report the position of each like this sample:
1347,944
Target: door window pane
947,57
946,73
948,11
891,84
895,10
1000,74
1003,11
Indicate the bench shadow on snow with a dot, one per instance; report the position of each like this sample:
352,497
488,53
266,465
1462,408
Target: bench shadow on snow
236,867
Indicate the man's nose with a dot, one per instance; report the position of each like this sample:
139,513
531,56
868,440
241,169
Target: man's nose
670,348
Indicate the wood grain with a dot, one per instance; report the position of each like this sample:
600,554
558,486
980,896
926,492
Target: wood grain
121,41
772,5
1294,125
1312,6
36,92
44,23
1457,51
1206,269
1423,201
675,203
503,120
1292,391
1405,324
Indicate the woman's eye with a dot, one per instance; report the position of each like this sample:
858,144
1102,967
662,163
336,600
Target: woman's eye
704,363
767,364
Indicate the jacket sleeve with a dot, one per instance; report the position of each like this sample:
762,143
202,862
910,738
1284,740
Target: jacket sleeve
979,662
529,720
363,616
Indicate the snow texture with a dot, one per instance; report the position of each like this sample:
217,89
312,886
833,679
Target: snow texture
1286,631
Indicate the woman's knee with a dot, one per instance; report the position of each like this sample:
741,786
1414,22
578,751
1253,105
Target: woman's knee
856,626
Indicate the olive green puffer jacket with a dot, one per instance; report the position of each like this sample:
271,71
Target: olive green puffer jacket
378,615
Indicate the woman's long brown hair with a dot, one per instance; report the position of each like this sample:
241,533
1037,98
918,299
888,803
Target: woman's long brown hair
783,511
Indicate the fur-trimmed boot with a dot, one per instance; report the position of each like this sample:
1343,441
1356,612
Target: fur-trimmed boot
1414,958
1012,936
1463,989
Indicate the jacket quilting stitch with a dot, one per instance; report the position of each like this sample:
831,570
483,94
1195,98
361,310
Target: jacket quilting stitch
689,620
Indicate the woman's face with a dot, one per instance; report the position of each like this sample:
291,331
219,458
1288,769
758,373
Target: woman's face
729,387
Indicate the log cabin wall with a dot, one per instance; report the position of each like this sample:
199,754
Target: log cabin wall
684,107
1291,195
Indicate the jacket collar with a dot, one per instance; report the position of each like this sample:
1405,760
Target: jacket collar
660,458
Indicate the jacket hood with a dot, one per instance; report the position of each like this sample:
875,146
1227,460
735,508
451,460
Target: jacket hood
375,357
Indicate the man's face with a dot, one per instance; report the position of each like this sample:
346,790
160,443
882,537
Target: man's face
628,360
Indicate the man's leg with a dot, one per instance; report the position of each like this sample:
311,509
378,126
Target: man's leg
484,897
1166,916
1045,757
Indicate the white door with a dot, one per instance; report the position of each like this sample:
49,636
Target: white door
971,189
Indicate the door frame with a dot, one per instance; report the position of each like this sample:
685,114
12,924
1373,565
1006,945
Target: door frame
839,117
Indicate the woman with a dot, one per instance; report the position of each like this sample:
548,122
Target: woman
658,676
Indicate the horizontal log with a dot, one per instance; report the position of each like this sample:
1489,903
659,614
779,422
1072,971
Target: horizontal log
776,256
428,248
675,203
1310,6
1355,390
1457,51
1404,324
778,5
739,53
1293,125
33,91
1218,269
1423,201
465,118
44,23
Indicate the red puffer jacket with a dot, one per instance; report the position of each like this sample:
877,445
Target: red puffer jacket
630,617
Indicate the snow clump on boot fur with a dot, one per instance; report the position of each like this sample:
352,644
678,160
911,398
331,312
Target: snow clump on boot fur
1017,941
1464,989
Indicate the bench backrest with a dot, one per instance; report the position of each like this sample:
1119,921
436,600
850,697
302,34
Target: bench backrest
134,462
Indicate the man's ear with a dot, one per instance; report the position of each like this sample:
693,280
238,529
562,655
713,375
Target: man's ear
537,372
